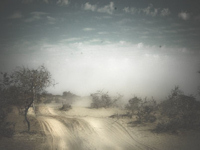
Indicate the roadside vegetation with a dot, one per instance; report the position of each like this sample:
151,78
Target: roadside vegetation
25,87
177,112
101,99
22,89
144,110
66,107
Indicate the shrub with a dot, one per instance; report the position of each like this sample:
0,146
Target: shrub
100,99
179,112
134,104
143,109
7,129
66,107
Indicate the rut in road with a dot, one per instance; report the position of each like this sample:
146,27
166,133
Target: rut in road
87,133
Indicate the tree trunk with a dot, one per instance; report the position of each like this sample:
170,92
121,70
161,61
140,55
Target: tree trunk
26,112
27,121
32,98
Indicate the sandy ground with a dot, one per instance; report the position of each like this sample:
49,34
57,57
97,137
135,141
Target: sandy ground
86,129
82,128
21,139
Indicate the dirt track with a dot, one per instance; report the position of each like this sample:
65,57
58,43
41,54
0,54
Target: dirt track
65,132
88,129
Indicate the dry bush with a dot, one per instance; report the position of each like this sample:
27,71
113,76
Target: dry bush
134,104
101,99
179,112
6,128
143,109
66,107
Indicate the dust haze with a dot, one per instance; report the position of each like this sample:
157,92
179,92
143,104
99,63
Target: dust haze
117,68
130,70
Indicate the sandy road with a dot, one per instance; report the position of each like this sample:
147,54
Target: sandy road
65,132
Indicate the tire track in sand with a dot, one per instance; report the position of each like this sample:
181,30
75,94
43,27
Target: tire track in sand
86,133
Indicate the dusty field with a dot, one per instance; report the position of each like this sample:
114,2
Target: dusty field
82,128
21,139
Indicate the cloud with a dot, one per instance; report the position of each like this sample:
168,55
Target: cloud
46,1
102,33
38,13
107,9
149,11
63,2
140,45
51,20
16,15
88,6
59,2
88,29
184,15
197,18
27,1
70,39
35,16
94,41
30,1
131,10
165,12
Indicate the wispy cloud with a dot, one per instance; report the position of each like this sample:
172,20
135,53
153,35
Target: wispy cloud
16,15
149,10
70,39
131,10
105,9
94,41
140,45
27,1
101,33
103,17
197,18
165,12
46,1
88,29
90,7
30,1
63,2
184,15
58,2
51,20
35,16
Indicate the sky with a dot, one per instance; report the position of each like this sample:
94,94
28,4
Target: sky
131,47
